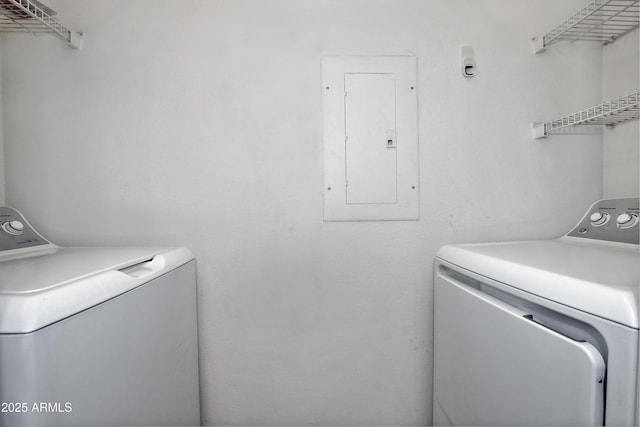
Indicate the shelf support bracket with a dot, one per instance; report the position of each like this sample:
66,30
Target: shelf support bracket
538,129
538,44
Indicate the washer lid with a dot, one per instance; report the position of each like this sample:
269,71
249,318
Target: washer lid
595,278
38,290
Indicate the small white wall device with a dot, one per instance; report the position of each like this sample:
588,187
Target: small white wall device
468,61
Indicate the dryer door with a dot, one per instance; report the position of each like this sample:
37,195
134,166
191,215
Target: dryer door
495,366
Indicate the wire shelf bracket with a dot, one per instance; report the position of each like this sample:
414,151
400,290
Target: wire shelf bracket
605,114
600,20
34,17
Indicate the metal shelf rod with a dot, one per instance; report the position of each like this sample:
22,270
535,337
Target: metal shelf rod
607,114
600,20
27,15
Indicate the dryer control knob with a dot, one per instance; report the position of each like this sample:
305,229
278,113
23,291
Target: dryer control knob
599,218
13,227
626,220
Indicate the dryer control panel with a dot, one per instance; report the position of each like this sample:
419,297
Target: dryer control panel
614,220
15,231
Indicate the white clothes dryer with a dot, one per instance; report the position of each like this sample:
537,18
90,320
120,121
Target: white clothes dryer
541,332
95,336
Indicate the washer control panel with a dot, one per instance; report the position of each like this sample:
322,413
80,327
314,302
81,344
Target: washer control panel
614,220
15,231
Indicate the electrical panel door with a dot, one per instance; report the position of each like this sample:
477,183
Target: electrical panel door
370,123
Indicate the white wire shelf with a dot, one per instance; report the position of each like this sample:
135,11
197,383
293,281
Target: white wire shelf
600,20
605,114
33,17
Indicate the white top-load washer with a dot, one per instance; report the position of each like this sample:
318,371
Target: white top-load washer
541,332
95,336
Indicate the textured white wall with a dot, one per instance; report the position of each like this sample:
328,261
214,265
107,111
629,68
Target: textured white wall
621,76
198,123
